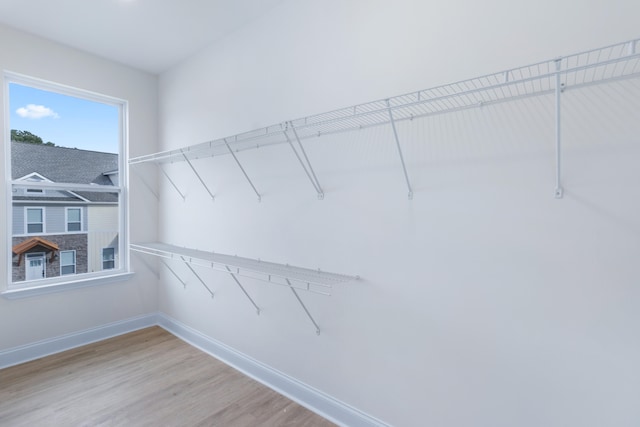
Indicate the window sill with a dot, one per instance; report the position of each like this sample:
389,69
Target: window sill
50,288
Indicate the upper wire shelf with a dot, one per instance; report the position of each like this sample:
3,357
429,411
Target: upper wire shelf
613,62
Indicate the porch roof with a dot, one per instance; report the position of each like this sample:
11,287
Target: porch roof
23,247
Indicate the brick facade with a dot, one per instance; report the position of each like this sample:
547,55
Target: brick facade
66,242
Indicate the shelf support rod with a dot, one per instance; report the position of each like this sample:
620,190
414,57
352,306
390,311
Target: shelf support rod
632,47
304,153
151,268
197,275
184,284
171,181
242,169
144,182
243,289
313,182
559,89
395,135
197,174
303,306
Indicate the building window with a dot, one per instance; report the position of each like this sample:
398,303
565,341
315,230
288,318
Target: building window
35,220
74,219
108,258
67,262
74,174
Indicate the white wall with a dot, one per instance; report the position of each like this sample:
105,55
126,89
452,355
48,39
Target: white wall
484,301
33,319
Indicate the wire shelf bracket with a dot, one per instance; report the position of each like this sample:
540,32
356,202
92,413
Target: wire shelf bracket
197,175
184,284
395,135
304,307
243,289
308,169
242,169
173,184
559,88
197,275
146,184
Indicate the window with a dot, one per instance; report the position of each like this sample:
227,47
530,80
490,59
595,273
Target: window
67,262
74,219
66,149
108,258
35,220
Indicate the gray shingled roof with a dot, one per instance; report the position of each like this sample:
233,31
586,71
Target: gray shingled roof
61,164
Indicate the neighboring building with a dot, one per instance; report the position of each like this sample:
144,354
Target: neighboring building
102,242
63,232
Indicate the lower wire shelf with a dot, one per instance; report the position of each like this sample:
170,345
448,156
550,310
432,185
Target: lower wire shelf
295,278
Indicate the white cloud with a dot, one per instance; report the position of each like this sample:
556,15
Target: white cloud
33,111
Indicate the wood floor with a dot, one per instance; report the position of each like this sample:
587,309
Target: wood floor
144,378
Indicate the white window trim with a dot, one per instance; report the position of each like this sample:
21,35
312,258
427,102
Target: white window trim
26,220
63,283
75,263
34,175
66,219
29,178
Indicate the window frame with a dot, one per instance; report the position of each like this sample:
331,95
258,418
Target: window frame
26,220
67,222
12,290
75,262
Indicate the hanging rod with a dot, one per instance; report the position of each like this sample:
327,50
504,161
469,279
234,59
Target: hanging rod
614,62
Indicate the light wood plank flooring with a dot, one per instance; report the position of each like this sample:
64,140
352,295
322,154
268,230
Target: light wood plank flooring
144,378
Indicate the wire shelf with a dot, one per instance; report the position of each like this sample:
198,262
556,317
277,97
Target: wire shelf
316,281
596,66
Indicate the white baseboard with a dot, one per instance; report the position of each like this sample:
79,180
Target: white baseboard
25,353
315,400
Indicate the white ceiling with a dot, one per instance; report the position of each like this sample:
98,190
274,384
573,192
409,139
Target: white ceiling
151,35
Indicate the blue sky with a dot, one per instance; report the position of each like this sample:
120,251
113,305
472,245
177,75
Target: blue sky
64,120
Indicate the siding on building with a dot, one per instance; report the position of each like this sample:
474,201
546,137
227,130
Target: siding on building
102,218
55,218
102,227
18,223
